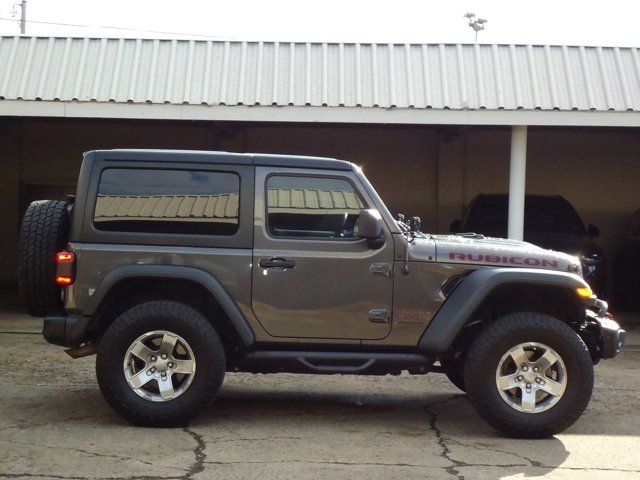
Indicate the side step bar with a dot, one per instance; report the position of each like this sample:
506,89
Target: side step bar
271,361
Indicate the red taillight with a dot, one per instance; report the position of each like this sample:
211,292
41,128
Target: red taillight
64,279
65,257
65,268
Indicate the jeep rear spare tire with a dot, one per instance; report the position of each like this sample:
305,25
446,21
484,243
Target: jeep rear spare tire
44,232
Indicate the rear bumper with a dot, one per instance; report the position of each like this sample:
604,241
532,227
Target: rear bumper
65,329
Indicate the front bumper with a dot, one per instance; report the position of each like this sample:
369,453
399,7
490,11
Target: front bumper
65,329
611,336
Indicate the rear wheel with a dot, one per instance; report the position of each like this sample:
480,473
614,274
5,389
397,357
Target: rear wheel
43,233
160,363
529,375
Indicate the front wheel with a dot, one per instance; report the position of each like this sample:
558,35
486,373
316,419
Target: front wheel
160,363
529,375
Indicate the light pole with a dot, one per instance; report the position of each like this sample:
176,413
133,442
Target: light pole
23,15
477,24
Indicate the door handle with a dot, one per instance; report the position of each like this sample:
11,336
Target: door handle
276,263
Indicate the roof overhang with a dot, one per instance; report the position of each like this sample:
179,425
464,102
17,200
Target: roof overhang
292,114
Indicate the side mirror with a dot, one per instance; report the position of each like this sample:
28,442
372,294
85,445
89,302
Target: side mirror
370,227
593,231
455,226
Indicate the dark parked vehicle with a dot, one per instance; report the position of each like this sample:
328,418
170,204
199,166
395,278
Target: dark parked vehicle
176,267
550,221
626,268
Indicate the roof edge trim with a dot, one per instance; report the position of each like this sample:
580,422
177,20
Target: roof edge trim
308,114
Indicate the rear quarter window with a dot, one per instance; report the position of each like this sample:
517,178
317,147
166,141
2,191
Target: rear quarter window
188,202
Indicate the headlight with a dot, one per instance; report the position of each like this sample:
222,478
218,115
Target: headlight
593,257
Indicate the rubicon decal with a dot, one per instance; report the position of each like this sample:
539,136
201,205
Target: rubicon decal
505,260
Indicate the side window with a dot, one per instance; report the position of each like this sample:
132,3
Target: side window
167,201
313,207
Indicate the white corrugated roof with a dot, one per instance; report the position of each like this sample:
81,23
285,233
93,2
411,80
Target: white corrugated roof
172,207
222,206
380,76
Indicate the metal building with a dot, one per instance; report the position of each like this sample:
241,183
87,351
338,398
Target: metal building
432,125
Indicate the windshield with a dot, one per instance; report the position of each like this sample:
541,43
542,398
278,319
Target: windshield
489,213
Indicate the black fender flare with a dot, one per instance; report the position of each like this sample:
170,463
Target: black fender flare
203,278
470,293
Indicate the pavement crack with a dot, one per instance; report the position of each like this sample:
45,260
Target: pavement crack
93,454
442,440
71,477
39,475
198,452
453,470
319,462
533,463
26,426
255,439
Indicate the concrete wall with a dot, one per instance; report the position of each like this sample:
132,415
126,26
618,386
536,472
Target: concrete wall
432,172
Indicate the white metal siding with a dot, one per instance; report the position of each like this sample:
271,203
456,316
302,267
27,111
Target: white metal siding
456,77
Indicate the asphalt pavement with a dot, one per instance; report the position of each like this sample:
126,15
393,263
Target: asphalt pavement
55,424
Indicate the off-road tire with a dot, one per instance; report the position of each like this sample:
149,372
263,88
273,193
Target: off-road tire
494,341
182,320
44,232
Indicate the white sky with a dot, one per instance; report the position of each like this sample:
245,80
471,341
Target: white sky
588,22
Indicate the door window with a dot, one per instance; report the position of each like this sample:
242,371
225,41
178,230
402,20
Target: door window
312,207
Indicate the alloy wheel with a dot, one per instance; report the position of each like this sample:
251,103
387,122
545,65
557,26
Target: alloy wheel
531,377
159,366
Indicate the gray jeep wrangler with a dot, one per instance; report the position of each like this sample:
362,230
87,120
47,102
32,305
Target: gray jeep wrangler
178,266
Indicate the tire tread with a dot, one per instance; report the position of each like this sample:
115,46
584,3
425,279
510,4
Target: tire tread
44,231
509,325
121,327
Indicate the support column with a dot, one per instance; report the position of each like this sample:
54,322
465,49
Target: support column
451,153
517,181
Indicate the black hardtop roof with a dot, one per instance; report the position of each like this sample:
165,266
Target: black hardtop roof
203,156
